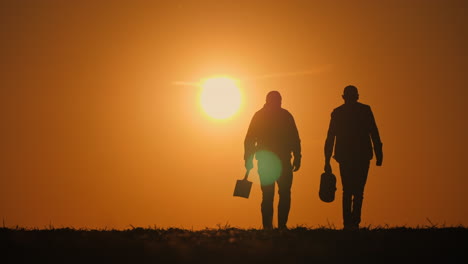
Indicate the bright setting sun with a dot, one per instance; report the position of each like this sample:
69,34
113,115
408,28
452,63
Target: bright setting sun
220,97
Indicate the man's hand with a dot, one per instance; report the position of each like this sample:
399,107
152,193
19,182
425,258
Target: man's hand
328,168
378,154
379,158
296,164
379,162
249,164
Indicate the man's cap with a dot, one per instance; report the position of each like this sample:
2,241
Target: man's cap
350,91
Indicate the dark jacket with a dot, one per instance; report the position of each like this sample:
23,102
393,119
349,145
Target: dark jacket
353,128
272,129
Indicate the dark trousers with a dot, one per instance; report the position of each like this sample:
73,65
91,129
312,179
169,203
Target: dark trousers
283,176
353,179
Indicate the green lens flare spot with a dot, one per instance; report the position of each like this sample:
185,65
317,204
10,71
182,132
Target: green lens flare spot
269,167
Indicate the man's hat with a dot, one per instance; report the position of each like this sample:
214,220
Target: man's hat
350,90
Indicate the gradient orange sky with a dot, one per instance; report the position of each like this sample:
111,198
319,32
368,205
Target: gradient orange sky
96,134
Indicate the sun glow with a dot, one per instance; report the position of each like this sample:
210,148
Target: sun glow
220,97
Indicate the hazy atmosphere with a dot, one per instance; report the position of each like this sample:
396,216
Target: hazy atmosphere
102,125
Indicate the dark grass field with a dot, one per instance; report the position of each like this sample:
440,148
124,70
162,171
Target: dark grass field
232,245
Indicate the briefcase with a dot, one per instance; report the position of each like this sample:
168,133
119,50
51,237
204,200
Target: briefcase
327,187
243,187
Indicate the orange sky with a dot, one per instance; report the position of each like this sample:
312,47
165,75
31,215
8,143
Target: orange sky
95,133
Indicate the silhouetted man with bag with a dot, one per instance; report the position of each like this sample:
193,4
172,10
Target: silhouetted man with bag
354,135
272,137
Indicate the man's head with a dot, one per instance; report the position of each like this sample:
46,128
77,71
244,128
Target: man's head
273,98
350,94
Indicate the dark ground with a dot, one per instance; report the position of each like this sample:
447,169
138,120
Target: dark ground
232,245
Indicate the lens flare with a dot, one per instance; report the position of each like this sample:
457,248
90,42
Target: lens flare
269,167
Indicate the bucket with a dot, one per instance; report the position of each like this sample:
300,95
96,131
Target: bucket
327,187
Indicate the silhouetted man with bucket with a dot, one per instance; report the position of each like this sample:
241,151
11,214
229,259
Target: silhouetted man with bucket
272,137
354,134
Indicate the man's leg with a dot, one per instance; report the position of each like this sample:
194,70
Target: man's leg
346,182
360,171
284,191
268,192
346,210
266,174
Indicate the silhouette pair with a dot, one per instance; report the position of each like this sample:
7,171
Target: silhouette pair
273,139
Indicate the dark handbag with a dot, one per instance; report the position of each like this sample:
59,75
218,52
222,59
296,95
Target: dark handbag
327,187
243,187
